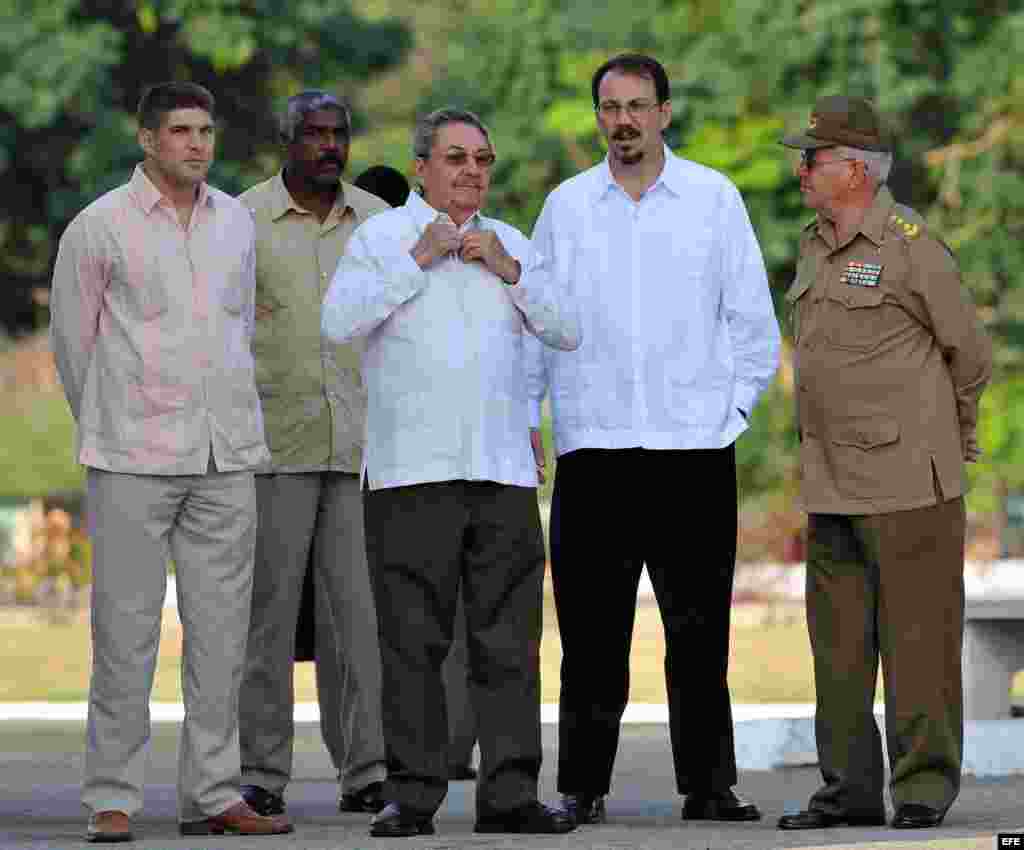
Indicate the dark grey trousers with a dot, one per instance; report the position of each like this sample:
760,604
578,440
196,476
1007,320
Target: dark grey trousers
423,543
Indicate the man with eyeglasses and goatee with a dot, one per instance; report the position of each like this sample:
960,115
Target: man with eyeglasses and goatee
679,341
444,298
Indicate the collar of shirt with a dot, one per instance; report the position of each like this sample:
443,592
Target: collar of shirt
149,197
872,225
422,214
282,202
671,178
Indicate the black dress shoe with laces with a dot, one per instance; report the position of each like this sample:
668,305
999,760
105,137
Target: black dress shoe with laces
814,819
718,805
916,816
396,821
262,801
533,817
585,808
369,799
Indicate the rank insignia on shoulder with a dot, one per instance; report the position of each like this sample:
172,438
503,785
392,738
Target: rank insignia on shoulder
910,230
858,273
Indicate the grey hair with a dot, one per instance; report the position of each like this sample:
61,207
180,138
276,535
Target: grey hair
877,164
301,104
425,134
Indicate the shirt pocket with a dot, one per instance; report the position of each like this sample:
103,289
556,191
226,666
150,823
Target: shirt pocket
141,288
865,453
856,318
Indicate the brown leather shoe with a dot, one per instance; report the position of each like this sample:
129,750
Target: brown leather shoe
238,820
108,827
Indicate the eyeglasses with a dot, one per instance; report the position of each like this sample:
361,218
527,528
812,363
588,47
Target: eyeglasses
808,158
634,108
457,159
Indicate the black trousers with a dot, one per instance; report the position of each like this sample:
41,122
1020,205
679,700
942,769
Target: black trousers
612,512
423,543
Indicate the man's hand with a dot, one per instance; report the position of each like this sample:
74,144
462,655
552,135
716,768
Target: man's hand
440,239
485,247
537,442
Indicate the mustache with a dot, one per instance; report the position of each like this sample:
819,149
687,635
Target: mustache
330,158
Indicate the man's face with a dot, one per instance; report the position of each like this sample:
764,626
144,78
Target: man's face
825,178
630,117
457,174
181,149
319,152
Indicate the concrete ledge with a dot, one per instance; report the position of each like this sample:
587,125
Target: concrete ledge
768,736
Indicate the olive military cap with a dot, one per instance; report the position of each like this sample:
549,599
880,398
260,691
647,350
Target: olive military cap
841,120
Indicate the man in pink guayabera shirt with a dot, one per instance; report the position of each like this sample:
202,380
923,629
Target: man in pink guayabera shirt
152,316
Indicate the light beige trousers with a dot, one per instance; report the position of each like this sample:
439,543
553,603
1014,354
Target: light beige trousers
207,525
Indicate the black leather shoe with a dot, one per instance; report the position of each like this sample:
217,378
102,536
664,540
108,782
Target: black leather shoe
262,801
585,808
916,816
718,805
814,819
395,821
369,799
462,773
533,817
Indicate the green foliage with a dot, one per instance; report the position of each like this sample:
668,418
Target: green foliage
37,446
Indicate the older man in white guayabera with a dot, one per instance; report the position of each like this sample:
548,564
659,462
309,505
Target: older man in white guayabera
444,297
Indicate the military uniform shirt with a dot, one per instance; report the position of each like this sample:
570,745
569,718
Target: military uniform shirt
890,362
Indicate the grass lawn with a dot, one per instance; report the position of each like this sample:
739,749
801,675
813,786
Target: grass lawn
771,659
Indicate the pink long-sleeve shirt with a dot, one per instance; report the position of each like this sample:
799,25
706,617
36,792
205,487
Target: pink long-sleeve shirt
151,326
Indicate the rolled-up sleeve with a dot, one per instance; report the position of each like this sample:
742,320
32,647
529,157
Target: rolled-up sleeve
748,308
80,277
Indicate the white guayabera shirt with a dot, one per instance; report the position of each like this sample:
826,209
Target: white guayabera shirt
443,363
679,332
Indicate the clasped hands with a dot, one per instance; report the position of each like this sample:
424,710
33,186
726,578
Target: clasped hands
441,238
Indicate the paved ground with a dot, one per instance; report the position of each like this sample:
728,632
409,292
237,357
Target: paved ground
40,766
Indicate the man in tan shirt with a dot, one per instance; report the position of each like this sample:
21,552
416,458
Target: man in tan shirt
151,320
309,502
890,364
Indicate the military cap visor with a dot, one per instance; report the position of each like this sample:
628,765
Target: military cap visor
839,120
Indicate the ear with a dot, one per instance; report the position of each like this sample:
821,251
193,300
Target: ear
665,113
417,167
147,141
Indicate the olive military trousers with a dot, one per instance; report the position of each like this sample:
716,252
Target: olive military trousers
889,587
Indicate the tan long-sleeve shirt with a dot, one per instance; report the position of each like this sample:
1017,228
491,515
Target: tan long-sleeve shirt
151,325
312,390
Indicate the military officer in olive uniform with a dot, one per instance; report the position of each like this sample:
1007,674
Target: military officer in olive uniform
890,364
